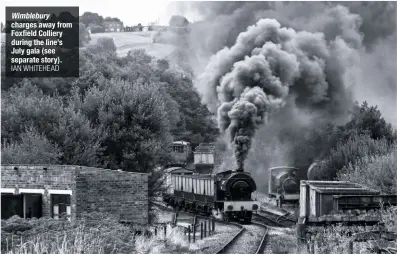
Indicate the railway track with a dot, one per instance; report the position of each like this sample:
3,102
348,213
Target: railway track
250,239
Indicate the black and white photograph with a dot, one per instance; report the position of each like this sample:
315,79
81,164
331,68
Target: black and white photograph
203,127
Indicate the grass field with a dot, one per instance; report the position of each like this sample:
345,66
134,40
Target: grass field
136,40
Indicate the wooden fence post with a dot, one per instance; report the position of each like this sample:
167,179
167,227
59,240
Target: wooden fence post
165,230
194,233
188,231
201,225
82,251
351,247
205,228
155,230
312,247
213,225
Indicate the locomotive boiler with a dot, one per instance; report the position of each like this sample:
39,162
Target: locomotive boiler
226,195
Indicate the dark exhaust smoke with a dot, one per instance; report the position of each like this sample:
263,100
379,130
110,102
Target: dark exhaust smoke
248,82
352,57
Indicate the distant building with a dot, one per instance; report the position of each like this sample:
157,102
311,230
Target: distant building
204,158
113,26
137,28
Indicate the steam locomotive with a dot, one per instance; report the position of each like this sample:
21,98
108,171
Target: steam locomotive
226,195
284,185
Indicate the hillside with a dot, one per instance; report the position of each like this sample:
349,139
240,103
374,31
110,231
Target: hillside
136,40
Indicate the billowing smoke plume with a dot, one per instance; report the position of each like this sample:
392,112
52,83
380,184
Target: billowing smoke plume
369,27
249,81
358,62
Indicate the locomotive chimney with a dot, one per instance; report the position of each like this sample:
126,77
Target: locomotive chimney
240,169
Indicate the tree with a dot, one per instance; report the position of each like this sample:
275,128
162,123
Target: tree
196,125
90,18
33,148
27,107
97,29
84,35
104,45
112,19
136,123
163,64
367,119
178,21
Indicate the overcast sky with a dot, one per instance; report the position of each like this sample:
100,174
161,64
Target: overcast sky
130,12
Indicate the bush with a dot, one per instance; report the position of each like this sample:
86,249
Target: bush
104,45
322,140
375,171
33,148
335,239
26,107
350,152
84,36
136,123
97,29
91,233
367,119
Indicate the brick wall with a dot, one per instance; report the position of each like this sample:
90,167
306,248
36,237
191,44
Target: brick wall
124,194
56,177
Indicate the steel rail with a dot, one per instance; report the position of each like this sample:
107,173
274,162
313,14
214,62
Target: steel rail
263,240
224,248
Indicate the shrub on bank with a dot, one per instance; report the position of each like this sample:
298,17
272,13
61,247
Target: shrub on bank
377,172
334,239
352,152
92,233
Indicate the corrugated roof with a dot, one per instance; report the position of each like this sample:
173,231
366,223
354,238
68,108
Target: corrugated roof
181,169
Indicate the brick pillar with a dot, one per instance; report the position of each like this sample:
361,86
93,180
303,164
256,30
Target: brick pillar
46,204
